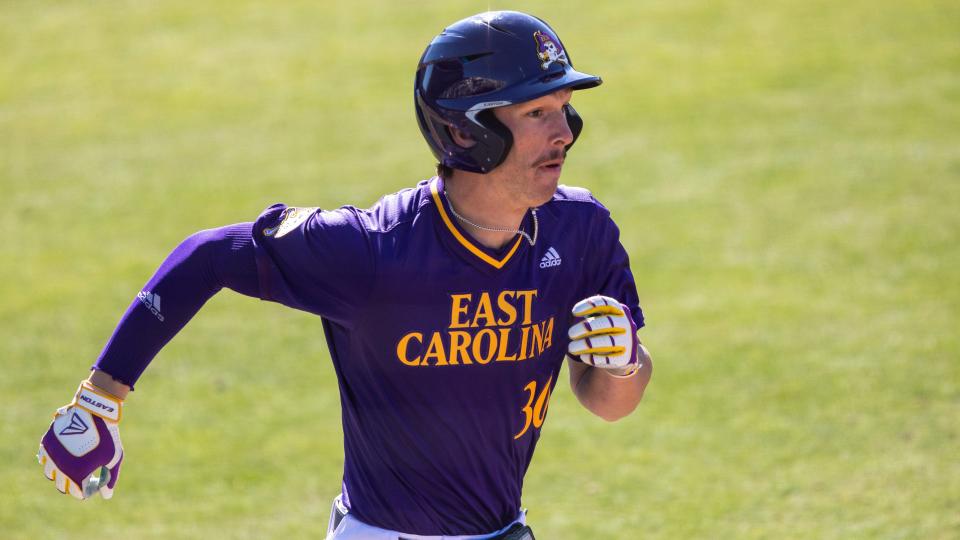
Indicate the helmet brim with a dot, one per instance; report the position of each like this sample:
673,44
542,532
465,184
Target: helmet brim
528,91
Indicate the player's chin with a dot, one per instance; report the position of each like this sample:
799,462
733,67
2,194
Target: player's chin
547,180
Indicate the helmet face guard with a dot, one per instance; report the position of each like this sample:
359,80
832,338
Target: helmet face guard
489,60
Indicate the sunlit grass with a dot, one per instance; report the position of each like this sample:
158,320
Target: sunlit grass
786,177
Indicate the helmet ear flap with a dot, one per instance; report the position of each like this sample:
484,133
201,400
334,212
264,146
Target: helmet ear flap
493,139
493,143
574,121
433,127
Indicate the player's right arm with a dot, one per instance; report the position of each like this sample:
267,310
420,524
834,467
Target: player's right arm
300,257
81,451
609,367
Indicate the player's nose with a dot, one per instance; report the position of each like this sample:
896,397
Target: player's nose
562,135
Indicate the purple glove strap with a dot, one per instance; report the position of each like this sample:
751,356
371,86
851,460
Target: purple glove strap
634,359
115,472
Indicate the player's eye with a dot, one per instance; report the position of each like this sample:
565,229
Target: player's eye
536,113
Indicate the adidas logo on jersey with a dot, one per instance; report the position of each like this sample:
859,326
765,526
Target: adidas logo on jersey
152,301
551,258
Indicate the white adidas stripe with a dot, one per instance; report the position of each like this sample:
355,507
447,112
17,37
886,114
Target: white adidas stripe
152,302
550,258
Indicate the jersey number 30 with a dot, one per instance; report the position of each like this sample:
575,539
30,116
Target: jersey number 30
538,413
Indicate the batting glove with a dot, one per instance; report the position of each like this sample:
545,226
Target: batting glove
606,338
81,452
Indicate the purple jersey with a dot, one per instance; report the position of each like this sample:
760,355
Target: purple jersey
446,351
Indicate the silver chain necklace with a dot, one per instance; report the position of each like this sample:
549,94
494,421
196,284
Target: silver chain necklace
531,241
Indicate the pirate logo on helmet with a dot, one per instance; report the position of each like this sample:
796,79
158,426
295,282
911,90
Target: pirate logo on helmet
549,50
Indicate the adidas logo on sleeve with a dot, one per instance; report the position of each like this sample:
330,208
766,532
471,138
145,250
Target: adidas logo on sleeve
152,302
551,258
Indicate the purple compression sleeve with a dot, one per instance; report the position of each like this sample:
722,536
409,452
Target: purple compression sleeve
197,269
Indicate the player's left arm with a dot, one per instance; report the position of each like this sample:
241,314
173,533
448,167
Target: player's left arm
609,367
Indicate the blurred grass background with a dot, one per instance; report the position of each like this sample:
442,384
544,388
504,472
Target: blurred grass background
786,175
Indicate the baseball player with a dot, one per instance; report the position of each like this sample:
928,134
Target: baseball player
448,307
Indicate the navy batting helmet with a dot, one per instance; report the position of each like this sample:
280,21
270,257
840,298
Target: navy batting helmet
489,60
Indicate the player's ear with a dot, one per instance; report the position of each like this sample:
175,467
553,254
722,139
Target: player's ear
462,138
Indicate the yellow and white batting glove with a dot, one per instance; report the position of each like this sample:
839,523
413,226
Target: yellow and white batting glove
606,338
81,451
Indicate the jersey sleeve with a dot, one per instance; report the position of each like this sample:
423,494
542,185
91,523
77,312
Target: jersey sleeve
610,274
194,271
313,260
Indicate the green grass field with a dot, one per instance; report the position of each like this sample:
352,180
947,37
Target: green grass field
786,175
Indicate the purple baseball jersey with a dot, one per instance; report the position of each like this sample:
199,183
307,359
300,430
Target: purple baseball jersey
446,351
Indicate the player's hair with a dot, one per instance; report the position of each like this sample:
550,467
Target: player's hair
471,86
444,172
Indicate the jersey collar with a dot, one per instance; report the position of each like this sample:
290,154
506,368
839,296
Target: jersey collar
494,258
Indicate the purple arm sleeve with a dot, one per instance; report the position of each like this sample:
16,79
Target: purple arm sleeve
197,269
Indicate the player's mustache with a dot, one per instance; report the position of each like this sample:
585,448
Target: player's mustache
553,155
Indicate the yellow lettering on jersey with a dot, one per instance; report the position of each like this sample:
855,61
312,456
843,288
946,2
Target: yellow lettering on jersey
542,336
524,335
435,350
504,332
402,348
484,312
507,308
527,304
459,341
502,350
457,309
478,352
547,333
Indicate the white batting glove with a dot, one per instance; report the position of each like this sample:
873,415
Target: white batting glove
606,338
81,451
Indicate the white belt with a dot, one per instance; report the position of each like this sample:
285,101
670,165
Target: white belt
351,528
